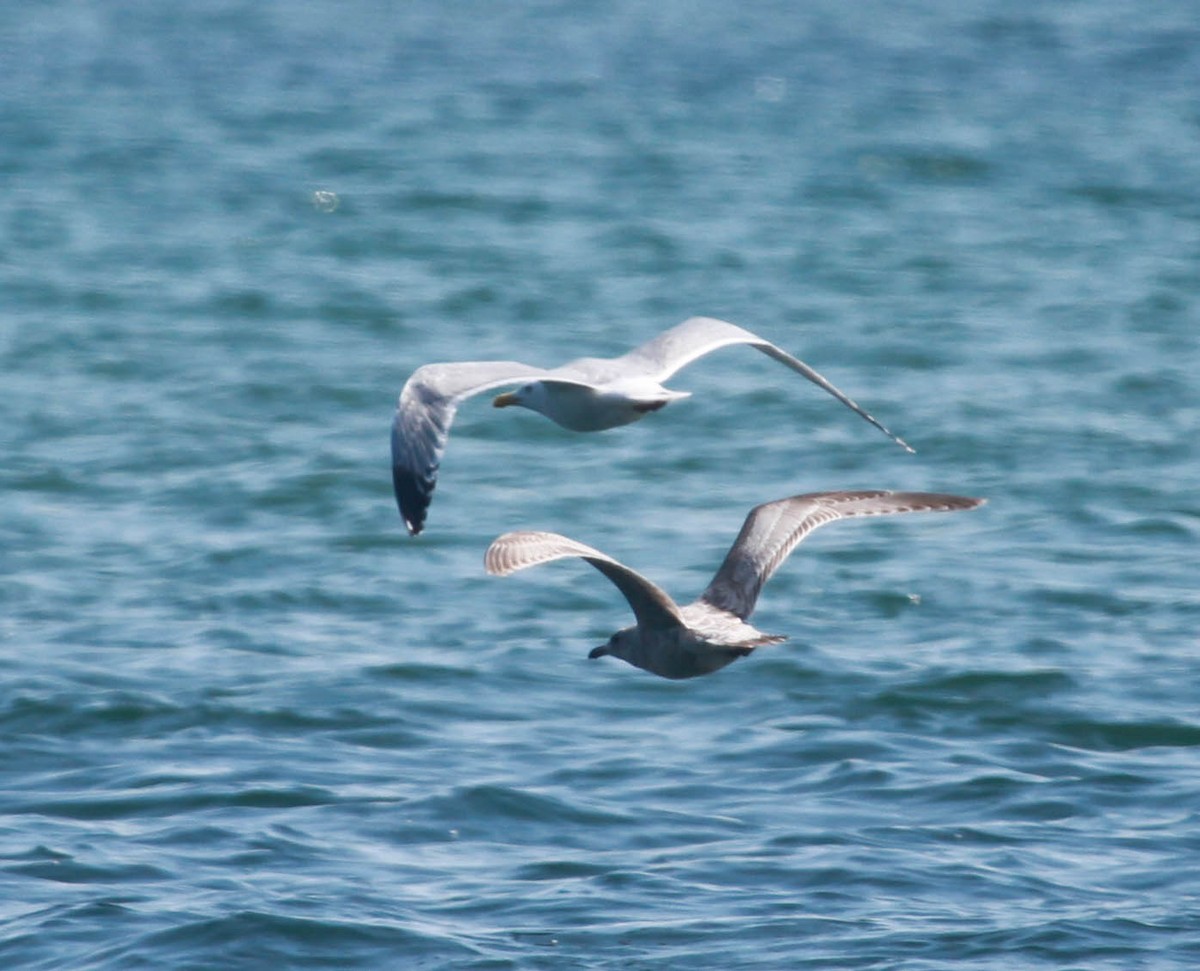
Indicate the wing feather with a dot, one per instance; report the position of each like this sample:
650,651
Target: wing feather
652,607
771,531
678,347
421,424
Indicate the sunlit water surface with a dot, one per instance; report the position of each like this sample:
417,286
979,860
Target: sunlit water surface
246,722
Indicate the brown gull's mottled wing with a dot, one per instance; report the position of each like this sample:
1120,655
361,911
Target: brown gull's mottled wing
676,348
773,530
652,607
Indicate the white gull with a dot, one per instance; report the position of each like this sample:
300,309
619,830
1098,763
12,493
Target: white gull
587,395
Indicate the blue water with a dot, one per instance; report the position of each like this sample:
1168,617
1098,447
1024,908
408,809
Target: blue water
246,722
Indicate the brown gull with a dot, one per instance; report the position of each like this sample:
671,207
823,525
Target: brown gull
587,395
712,631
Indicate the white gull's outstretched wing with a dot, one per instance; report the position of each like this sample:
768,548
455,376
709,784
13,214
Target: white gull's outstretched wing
653,608
676,348
773,530
422,424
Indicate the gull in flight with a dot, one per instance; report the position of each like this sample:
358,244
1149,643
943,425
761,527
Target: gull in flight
712,631
587,395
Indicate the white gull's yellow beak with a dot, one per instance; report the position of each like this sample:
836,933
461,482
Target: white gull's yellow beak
504,400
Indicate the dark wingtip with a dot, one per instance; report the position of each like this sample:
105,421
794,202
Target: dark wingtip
893,436
412,499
